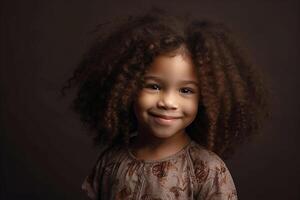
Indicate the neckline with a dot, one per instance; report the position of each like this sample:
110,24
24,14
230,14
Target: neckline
131,155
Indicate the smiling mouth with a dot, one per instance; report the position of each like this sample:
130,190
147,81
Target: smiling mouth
164,119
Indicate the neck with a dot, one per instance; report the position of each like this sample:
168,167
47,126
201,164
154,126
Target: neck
148,147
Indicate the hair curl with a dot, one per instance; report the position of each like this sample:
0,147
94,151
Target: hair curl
233,95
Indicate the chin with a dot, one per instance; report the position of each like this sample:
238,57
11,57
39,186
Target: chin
164,134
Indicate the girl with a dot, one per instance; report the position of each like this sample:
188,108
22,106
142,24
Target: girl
167,97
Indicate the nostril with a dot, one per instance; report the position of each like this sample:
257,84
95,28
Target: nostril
166,104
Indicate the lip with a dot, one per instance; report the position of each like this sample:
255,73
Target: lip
164,119
167,117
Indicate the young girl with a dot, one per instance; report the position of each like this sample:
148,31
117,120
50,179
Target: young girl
166,97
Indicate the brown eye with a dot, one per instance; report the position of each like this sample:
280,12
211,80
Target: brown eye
153,86
186,91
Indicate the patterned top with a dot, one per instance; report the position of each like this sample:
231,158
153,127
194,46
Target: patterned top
191,173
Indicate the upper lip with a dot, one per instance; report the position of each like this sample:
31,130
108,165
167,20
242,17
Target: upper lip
165,116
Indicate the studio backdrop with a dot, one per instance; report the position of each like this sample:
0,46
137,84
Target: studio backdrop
45,152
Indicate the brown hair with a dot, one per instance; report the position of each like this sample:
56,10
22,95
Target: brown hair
233,96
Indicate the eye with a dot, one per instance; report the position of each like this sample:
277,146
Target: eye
186,90
153,86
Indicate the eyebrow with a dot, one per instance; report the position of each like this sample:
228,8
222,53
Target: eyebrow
181,81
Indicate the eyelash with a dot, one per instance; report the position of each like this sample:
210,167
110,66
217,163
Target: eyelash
188,90
184,90
152,86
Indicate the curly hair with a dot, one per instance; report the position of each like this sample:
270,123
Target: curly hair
234,98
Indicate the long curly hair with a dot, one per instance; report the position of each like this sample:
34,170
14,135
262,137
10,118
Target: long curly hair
234,98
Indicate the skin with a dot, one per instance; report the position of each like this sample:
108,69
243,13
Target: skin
165,105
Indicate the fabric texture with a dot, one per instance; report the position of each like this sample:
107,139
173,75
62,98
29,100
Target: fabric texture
192,173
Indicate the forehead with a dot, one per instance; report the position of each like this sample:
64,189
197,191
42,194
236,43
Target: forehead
173,67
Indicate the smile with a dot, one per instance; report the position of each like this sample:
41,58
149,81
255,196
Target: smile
164,119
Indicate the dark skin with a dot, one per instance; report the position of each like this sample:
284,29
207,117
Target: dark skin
234,99
171,88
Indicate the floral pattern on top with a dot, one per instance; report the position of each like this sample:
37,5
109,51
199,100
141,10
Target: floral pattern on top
193,173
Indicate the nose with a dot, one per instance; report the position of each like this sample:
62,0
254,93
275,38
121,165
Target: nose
167,101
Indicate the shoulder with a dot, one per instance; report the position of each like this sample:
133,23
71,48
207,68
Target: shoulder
200,156
110,154
210,174
107,159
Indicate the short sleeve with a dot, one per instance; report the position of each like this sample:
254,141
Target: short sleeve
219,184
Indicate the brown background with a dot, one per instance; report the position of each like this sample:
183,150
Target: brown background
45,152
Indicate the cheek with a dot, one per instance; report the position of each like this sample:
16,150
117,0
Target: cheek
144,101
191,108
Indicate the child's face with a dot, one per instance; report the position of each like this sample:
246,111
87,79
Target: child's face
168,100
